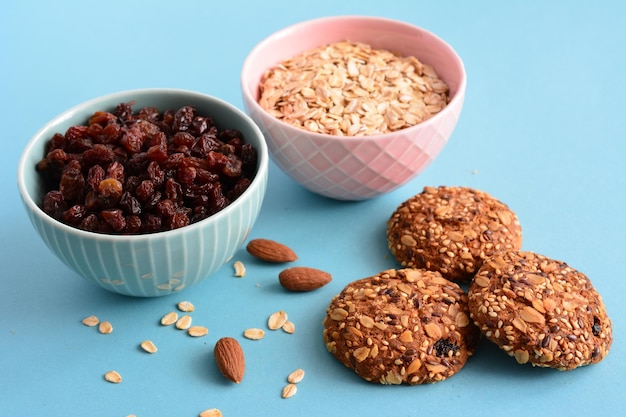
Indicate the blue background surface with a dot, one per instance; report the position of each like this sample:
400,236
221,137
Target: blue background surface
542,129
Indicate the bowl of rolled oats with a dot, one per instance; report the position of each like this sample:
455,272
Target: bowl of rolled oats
353,107
145,192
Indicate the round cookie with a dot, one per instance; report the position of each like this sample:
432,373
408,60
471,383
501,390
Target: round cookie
451,230
540,311
407,326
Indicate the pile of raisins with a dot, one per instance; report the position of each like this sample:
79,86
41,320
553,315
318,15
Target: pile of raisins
129,172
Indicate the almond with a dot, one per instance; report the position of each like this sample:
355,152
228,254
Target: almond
302,278
229,358
270,251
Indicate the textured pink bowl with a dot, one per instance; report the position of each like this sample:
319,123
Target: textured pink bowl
354,168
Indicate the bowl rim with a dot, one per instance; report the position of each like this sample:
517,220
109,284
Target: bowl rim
285,31
258,180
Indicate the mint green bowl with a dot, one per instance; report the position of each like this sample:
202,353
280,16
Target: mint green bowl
156,264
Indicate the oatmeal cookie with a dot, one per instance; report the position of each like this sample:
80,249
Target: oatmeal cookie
451,230
539,310
408,326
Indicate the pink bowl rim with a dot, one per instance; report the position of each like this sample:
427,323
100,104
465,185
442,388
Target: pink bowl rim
286,31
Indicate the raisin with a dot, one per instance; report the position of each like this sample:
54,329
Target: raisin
206,143
110,188
249,157
173,191
216,161
133,224
132,140
116,171
137,163
114,218
596,329
150,114
129,204
144,191
94,176
74,215
240,186
183,118
445,348
102,118
57,141
151,223
72,181
200,124
124,111
178,220
166,208
183,139
99,154
53,204
157,153
155,174
233,165
90,223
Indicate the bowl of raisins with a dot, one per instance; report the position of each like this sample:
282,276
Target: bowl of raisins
145,192
353,107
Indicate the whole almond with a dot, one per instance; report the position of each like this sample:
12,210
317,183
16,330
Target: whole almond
271,251
229,358
302,278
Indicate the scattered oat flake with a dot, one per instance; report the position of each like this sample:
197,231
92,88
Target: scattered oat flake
184,322
276,320
289,390
240,269
148,346
254,333
186,306
91,321
169,318
211,412
296,376
197,331
105,327
113,377
288,327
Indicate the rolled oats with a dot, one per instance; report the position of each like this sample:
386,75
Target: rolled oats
296,376
289,390
351,89
277,320
186,306
91,321
113,377
197,331
169,319
105,327
211,412
254,334
240,269
148,346
289,327
184,322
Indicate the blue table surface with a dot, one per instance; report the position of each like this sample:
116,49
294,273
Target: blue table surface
542,130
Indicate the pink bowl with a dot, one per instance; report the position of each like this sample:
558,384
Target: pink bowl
359,167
